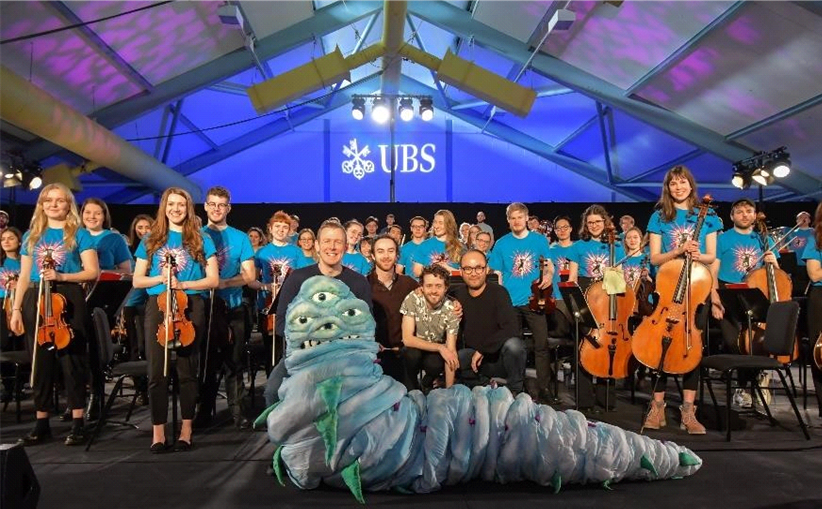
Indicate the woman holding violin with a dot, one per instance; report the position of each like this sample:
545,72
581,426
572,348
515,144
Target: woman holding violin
813,262
673,229
56,256
10,240
175,252
591,256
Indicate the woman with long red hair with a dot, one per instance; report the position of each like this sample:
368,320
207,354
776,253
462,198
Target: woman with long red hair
175,233
813,263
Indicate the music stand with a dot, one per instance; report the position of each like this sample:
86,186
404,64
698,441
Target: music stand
109,293
578,307
745,304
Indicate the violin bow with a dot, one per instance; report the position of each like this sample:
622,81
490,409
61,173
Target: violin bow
40,291
208,334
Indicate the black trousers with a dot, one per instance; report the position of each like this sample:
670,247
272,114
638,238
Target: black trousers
228,352
187,361
392,365
73,360
538,325
414,360
814,328
135,319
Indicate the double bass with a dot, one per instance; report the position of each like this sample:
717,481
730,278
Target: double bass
777,286
668,340
176,330
606,351
542,300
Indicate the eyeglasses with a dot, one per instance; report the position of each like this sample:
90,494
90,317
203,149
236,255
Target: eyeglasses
306,239
562,228
212,205
474,270
594,223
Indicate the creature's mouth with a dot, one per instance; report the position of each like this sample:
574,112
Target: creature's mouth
311,343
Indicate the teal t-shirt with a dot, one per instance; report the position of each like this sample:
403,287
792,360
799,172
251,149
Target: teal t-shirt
408,253
67,262
593,256
812,253
9,270
433,251
357,262
800,238
738,253
681,229
518,262
561,256
188,269
233,248
269,258
112,249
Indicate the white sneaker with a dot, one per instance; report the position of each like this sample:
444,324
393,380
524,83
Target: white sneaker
765,385
742,399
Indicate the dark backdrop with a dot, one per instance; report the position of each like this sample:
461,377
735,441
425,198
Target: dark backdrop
311,215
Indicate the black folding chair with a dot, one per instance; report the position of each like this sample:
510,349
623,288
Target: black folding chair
780,336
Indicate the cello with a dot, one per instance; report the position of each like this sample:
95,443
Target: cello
817,352
606,351
776,284
542,300
668,339
175,330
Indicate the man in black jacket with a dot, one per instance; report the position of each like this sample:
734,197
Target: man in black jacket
490,328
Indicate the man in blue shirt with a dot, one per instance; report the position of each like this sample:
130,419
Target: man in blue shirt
516,258
225,343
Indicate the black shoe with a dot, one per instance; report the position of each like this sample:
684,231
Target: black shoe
183,446
242,423
158,448
66,417
35,437
93,408
142,398
77,437
202,420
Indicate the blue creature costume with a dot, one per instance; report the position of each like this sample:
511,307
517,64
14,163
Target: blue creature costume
342,422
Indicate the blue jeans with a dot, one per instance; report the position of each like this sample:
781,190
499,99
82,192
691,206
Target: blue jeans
508,363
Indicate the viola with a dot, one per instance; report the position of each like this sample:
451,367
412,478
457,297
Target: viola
176,329
52,330
668,340
777,286
606,350
11,291
542,300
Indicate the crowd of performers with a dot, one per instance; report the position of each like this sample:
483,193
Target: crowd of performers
450,303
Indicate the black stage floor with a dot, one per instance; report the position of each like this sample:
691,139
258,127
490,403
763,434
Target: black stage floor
764,467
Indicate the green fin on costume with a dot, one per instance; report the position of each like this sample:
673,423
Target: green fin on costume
259,421
278,470
330,392
607,485
647,465
686,460
351,476
556,482
327,427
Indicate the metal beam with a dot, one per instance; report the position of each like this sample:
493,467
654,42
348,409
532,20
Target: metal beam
357,47
175,118
191,126
666,166
689,44
543,92
254,137
107,51
459,22
579,130
782,115
324,21
606,150
421,46
529,143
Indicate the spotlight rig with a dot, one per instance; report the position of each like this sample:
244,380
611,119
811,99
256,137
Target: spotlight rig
383,106
762,169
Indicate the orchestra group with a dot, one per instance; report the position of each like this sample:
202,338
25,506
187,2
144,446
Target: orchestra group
450,304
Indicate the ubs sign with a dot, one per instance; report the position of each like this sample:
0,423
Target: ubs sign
409,158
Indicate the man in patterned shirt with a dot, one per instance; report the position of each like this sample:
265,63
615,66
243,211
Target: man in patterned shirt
429,331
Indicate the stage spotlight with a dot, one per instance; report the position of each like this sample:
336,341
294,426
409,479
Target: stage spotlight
762,176
426,109
406,109
35,183
358,108
741,179
380,113
781,164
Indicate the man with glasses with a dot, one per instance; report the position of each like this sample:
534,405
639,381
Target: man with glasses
235,259
490,328
516,258
483,242
419,225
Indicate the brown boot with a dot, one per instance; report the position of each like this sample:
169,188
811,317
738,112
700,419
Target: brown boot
689,421
656,416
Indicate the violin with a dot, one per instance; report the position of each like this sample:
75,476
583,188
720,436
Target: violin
11,291
668,340
643,289
52,330
777,286
277,277
606,350
542,300
176,329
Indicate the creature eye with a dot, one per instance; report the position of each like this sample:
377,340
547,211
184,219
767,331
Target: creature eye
329,326
353,312
303,319
321,297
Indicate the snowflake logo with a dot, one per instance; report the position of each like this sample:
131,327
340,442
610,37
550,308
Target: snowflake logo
595,264
7,276
681,235
438,258
356,163
632,274
279,267
222,256
58,253
523,264
564,263
744,258
178,254
799,243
